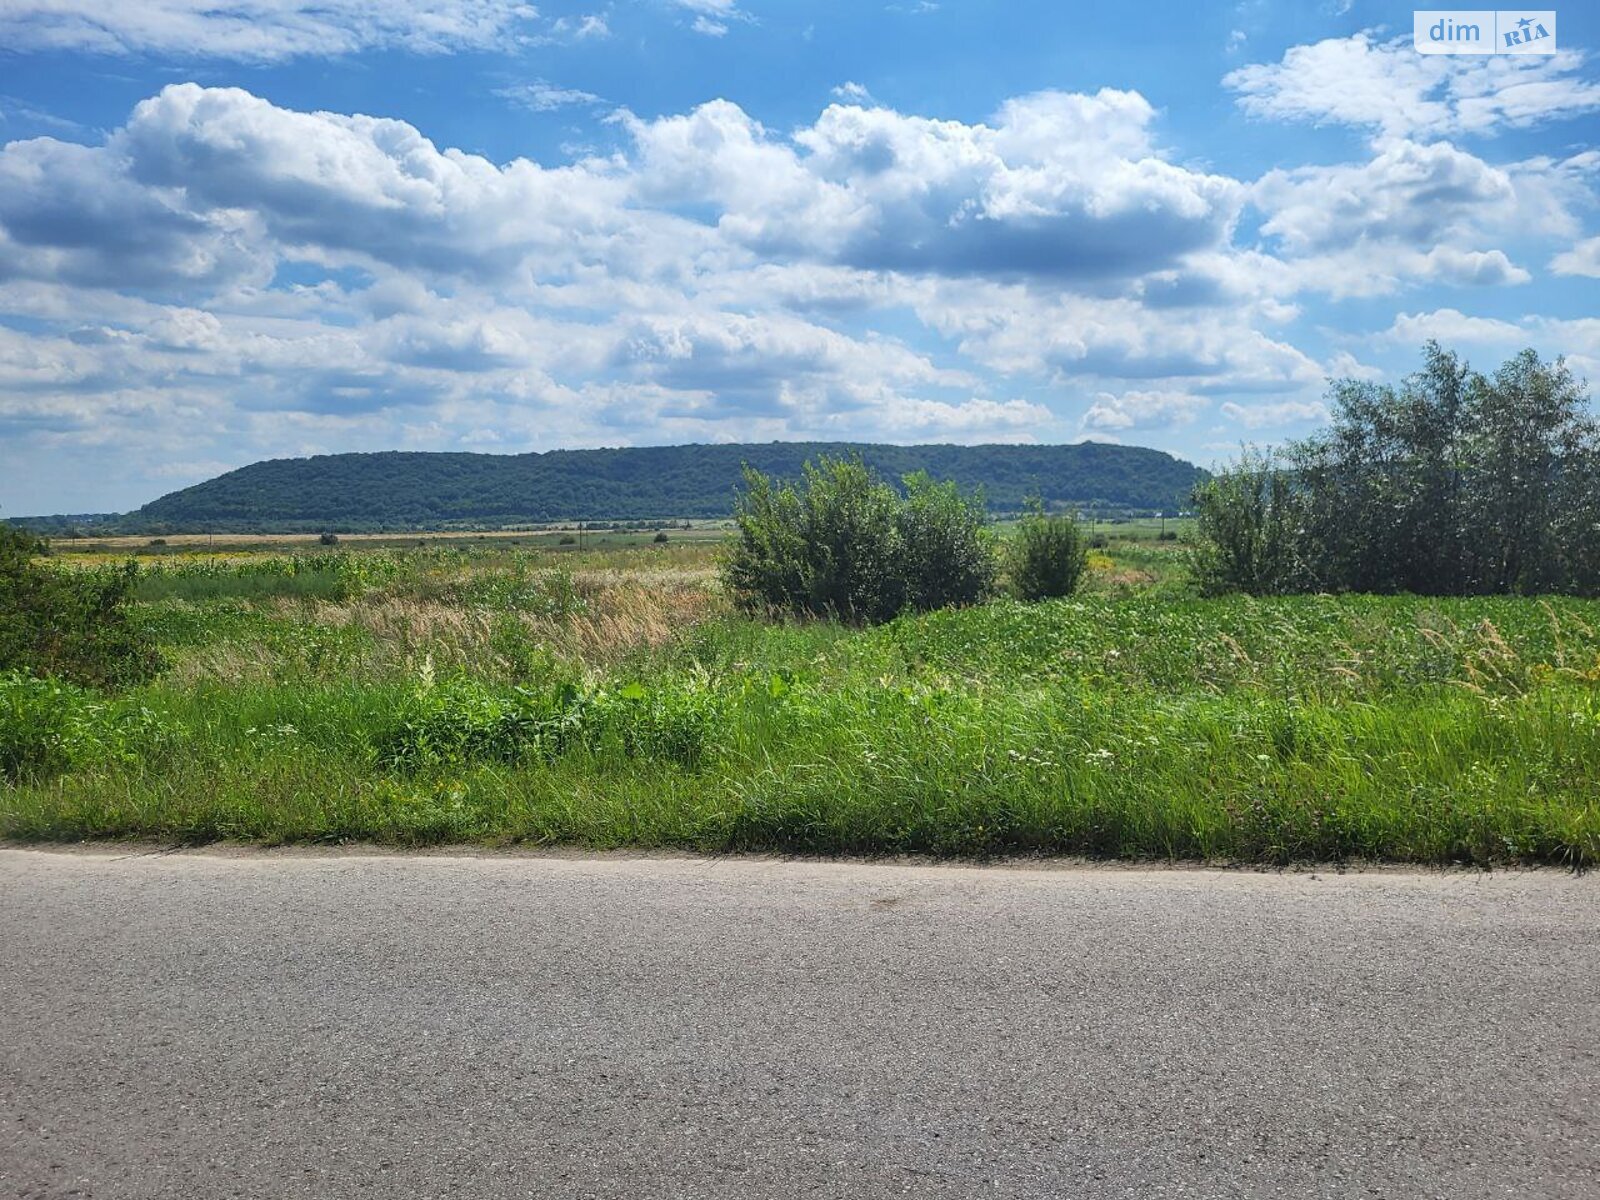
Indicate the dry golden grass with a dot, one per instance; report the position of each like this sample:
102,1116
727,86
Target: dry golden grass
617,619
621,612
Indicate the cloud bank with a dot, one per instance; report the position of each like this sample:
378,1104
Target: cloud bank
221,278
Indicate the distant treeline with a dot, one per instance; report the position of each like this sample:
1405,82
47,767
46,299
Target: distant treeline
429,490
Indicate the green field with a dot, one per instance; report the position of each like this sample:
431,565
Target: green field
507,690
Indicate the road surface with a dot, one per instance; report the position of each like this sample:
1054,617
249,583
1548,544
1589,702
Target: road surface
297,1025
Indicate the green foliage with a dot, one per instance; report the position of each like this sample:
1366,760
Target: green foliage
1530,509
73,624
405,490
463,722
1381,488
514,583
947,557
1247,522
1046,556
829,548
1313,647
41,726
48,727
847,545
1454,483
1294,728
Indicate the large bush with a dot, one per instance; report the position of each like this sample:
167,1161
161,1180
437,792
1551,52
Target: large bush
947,557
1451,483
1246,526
1047,555
71,624
845,544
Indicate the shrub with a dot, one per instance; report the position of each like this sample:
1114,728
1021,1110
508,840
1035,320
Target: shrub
847,545
660,537
1047,556
1245,530
566,539
329,539
72,624
156,542
827,549
1167,535
947,557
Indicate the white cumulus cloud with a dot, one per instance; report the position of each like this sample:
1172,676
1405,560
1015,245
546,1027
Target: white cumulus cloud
1389,87
1582,259
1143,410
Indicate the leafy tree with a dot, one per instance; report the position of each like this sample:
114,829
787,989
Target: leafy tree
1047,555
70,624
1529,462
1384,483
1574,529
1453,483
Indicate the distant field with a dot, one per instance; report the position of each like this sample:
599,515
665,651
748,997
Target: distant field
562,538
506,690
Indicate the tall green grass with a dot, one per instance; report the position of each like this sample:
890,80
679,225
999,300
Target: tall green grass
1130,725
873,771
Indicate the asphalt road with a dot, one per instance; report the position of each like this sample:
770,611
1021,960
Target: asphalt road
275,1026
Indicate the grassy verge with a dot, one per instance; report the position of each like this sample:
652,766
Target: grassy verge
904,773
620,705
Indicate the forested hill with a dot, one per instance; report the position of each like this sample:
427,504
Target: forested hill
423,490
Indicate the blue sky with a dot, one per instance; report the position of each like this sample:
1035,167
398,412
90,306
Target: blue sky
237,229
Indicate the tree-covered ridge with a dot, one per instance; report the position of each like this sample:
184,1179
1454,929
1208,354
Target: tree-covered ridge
421,490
